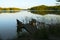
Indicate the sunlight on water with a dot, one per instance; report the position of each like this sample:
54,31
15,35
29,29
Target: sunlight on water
8,21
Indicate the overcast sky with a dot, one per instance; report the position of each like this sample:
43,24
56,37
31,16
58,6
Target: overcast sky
25,3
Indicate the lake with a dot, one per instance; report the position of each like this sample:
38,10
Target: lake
8,22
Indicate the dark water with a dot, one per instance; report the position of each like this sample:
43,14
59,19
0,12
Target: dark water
8,22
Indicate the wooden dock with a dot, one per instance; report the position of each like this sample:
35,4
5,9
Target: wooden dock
30,27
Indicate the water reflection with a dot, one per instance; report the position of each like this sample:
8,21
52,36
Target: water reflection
8,22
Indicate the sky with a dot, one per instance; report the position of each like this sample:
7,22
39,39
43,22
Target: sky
26,3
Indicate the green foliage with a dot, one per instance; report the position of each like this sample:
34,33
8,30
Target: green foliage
58,0
45,9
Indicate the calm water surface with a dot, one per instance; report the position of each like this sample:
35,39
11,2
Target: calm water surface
8,21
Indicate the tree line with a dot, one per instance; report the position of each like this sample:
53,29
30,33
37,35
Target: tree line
45,9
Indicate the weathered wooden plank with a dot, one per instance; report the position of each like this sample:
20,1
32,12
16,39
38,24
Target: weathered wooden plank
19,25
30,27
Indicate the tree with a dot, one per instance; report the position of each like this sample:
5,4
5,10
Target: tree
58,0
